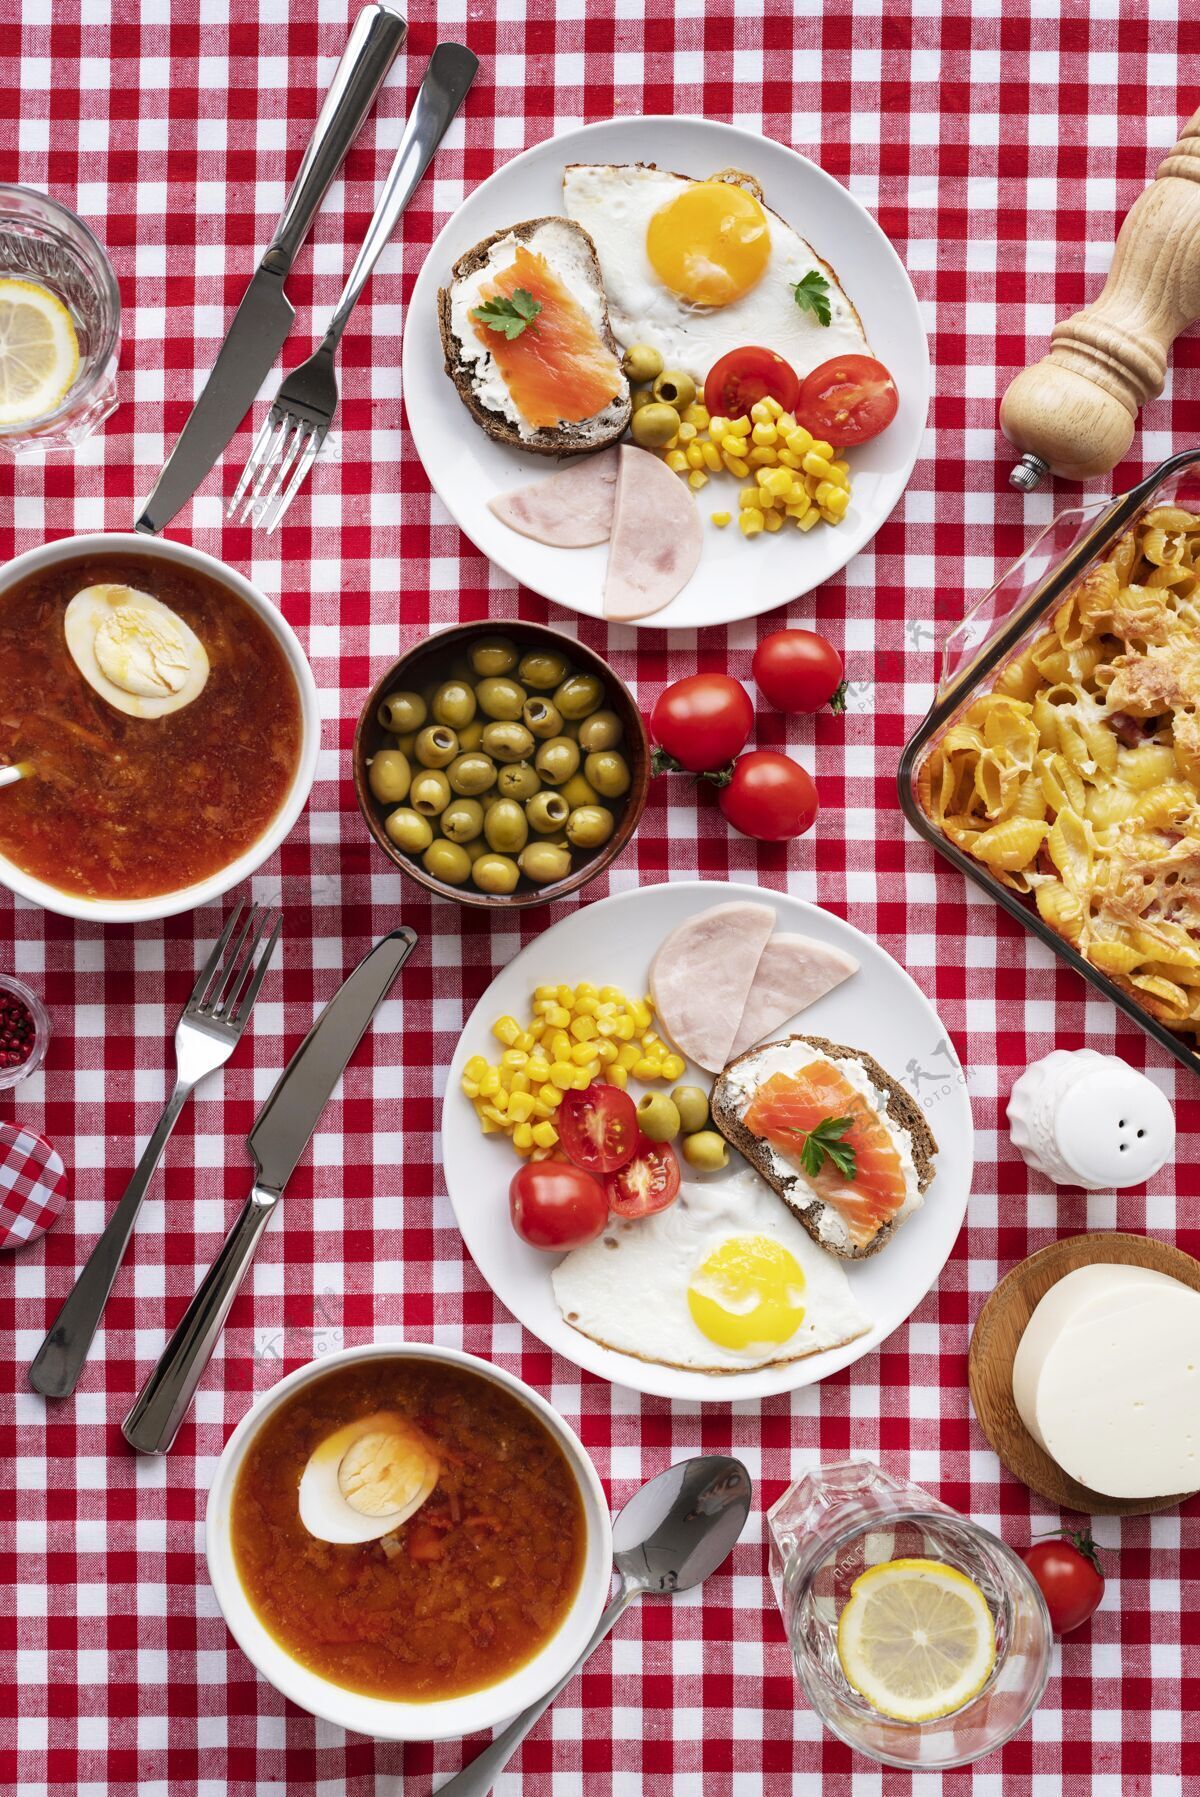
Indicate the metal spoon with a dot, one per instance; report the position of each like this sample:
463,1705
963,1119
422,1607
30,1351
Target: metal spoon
669,1537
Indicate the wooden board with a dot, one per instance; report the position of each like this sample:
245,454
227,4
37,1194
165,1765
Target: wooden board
999,1328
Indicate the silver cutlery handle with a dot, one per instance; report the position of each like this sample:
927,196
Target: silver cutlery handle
163,1401
373,46
477,1779
452,68
60,1359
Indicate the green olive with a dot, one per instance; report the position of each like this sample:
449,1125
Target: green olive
706,1151
407,744
557,760
641,396
389,776
608,773
472,774
437,746
657,1117
517,781
496,873
492,655
542,718
542,669
477,847
543,862
447,861
430,792
454,704
641,362
654,425
507,742
403,711
500,698
409,831
601,731
506,828
692,1105
547,813
675,389
578,697
589,827
471,735
577,792
462,820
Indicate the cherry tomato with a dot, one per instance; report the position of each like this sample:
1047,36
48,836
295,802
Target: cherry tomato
648,1183
770,797
1068,1571
556,1206
744,376
847,400
797,670
702,722
598,1128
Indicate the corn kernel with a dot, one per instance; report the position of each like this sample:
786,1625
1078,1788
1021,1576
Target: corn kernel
521,1082
562,1075
520,1107
741,427
823,449
583,1029
506,1079
773,406
545,1135
559,1017
695,456
773,521
843,468
470,1087
764,499
487,1126
720,519
697,479
786,459
476,1067
764,433
761,457
647,1068
582,1079
777,481
543,992
712,457
672,442
494,1114
624,1029
717,425
538,1069
642,1014
490,1083
674,1066
811,517
837,504
559,1046
522,1138
748,496
605,1051
750,523
629,1056
514,1058
785,424
616,1075
566,996
800,441
581,1054
542,1110
587,1007
506,1030
686,433
551,1095
676,461
760,412
737,466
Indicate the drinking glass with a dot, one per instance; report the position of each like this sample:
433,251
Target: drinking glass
41,241
834,1524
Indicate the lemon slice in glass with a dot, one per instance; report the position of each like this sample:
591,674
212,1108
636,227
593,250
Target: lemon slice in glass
39,352
916,1639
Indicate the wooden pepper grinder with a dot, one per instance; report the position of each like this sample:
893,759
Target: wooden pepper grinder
1073,412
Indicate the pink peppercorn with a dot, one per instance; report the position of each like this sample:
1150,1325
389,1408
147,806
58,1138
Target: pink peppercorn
18,1030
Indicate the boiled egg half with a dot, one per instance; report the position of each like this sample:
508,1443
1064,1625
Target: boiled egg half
366,1479
134,651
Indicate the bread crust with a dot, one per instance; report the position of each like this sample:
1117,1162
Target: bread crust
560,440
901,1107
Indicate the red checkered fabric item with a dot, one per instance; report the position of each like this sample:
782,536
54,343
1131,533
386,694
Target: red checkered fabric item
998,146
33,1185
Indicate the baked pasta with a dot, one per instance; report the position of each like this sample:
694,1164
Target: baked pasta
1076,778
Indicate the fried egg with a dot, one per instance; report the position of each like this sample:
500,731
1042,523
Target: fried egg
366,1479
723,1280
697,268
134,651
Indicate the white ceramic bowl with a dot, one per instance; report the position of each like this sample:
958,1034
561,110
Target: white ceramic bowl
383,1718
187,898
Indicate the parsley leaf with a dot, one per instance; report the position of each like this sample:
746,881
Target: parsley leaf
508,314
812,295
825,1142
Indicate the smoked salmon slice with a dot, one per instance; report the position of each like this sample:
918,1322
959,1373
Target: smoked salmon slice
559,370
788,1106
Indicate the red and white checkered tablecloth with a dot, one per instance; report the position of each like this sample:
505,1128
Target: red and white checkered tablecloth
998,145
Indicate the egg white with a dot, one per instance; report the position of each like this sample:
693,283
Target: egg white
628,1289
615,204
134,651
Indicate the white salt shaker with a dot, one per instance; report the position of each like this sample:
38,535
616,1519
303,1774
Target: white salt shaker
1090,1120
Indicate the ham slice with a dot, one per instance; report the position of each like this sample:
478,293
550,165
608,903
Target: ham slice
569,510
702,975
792,973
656,537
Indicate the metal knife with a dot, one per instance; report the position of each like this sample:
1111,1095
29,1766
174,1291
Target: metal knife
265,316
280,1135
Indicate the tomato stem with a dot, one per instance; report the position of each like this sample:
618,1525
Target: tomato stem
1080,1540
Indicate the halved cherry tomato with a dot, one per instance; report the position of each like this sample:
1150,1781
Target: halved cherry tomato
847,400
770,797
556,1206
648,1183
797,670
702,722
598,1127
744,376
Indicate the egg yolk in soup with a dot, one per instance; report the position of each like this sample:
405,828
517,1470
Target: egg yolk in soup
710,244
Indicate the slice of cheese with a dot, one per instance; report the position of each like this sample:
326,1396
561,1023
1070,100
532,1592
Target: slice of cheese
1107,1380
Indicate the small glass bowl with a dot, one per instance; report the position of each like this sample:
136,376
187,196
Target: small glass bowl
11,987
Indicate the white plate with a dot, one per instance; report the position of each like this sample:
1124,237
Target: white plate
612,942
735,579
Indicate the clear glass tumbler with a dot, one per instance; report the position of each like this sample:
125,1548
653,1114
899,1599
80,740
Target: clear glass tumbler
834,1524
41,241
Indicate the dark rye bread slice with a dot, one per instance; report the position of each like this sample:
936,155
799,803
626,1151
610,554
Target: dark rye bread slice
562,439
902,1108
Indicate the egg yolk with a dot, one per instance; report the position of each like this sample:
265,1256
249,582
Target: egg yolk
710,244
747,1292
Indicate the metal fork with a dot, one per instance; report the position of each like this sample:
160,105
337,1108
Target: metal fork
208,1032
295,428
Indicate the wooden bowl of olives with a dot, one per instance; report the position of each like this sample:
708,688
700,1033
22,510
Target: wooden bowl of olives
501,765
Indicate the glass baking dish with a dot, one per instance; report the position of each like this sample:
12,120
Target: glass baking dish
994,632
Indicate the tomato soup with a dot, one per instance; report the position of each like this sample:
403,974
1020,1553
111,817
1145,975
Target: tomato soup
461,1594
128,807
